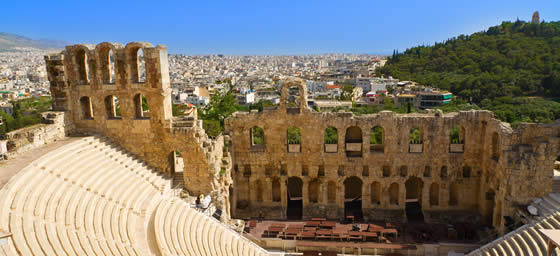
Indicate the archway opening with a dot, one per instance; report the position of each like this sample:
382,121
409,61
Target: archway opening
375,193
413,208
176,168
434,194
112,107
87,109
295,199
141,107
276,194
353,197
394,194
293,101
314,191
141,66
353,140
83,69
490,204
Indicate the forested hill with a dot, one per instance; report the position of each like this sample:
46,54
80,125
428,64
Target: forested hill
512,59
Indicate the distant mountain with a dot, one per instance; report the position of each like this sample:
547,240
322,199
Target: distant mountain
10,42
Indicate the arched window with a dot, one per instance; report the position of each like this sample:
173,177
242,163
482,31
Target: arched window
467,171
375,193
87,109
457,135
331,192
83,69
376,139
456,139
495,146
141,66
443,174
386,171
434,194
403,171
394,194
141,107
427,171
453,194
257,136
353,140
415,140
313,191
293,101
294,139
113,107
138,65
276,194
331,140
107,62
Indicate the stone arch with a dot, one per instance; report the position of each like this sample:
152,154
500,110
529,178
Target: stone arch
276,190
331,135
353,139
414,187
394,194
454,194
353,197
141,107
295,200
291,82
106,53
490,197
112,107
81,60
313,191
86,107
257,136
375,192
443,173
457,135
376,139
132,51
331,192
434,194
293,139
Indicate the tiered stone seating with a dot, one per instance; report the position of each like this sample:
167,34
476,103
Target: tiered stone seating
181,230
84,198
527,240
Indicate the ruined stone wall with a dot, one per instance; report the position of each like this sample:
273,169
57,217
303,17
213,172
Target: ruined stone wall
22,140
477,176
101,89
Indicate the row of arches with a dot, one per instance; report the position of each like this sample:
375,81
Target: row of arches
106,60
113,107
353,190
354,135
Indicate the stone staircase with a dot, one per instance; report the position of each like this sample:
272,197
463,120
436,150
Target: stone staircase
183,122
527,239
178,180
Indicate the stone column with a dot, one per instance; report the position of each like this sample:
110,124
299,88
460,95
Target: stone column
283,193
366,194
267,190
305,192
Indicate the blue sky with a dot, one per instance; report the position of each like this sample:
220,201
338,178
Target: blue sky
265,27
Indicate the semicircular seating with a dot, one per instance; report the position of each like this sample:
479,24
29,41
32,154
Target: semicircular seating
90,197
182,230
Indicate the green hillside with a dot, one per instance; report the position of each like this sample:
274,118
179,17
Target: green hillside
513,64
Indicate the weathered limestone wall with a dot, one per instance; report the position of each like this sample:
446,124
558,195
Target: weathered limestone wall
22,140
100,99
483,166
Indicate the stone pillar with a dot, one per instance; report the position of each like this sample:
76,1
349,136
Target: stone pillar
305,192
283,193
267,190
366,194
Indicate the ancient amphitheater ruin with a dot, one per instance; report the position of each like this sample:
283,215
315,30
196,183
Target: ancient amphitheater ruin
101,176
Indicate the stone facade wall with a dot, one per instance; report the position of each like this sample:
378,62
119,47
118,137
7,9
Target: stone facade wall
498,169
22,140
97,102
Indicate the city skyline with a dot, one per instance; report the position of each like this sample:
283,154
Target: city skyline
253,28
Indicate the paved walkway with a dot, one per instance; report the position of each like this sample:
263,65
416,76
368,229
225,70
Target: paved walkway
12,166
